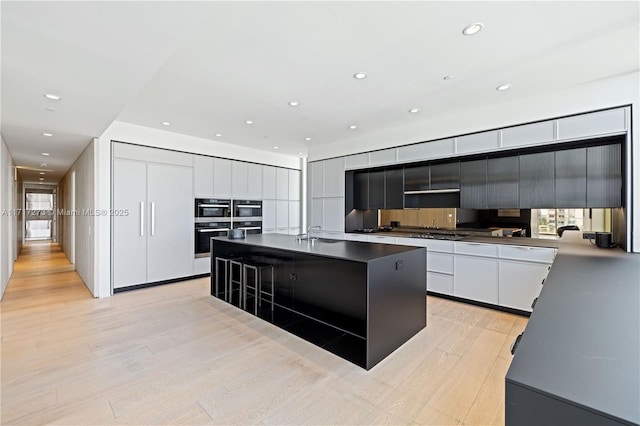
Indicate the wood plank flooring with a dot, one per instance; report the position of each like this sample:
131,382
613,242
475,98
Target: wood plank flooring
175,355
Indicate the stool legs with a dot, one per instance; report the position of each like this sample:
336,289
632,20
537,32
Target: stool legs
233,280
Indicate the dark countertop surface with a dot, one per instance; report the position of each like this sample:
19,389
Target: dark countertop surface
355,251
582,342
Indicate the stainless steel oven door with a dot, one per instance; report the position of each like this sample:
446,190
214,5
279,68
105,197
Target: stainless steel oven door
203,234
247,209
250,227
211,208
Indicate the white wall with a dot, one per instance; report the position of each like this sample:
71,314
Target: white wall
125,132
606,93
78,243
8,217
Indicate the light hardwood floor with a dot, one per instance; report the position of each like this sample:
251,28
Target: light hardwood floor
175,355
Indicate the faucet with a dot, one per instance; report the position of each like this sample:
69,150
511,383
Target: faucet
318,227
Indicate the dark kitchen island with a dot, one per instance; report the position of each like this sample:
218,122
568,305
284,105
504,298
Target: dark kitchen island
358,300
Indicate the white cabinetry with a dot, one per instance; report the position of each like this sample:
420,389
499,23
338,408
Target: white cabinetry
477,142
282,216
333,214
282,184
221,178
316,175
268,216
202,176
333,177
596,123
254,178
316,212
294,185
476,278
269,182
521,283
239,179
155,241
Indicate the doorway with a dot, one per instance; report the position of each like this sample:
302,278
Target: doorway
39,214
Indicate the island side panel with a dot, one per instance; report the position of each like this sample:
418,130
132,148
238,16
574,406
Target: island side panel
397,307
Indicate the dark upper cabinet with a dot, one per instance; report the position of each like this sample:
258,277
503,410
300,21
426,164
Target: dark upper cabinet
571,178
361,190
376,189
394,189
604,176
537,183
349,190
502,183
445,176
416,178
473,184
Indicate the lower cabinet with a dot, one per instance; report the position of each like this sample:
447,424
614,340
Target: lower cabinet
202,265
520,283
476,278
439,283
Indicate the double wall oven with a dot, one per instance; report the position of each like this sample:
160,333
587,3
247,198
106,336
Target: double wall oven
215,217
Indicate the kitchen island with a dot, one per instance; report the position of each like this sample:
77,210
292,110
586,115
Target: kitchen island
358,300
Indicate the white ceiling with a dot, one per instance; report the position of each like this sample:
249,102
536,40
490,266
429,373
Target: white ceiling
206,67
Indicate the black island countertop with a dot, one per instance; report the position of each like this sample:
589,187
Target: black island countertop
338,249
579,358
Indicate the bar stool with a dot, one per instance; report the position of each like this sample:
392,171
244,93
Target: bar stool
225,266
235,278
257,268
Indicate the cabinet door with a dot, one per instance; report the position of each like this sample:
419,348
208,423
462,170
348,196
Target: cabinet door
376,189
202,176
282,214
333,214
294,185
316,212
317,178
130,232
440,283
269,182
282,184
604,176
502,183
416,178
445,176
571,178
268,214
361,190
473,184
520,283
254,178
170,244
537,181
221,178
394,189
294,214
476,278
334,177
239,179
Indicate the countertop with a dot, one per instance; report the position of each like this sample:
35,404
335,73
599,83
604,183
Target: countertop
581,343
338,249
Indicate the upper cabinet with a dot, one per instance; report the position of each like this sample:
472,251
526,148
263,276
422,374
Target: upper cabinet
255,181
239,179
269,182
537,182
361,190
604,176
416,178
426,150
477,142
502,183
473,184
203,176
221,178
385,156
445,176
282,184
528,134
376,189
294,185
333,177
571,178
394,189
316,175
593,124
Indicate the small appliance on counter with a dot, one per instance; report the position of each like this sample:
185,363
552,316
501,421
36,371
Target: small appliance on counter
603,240
236,234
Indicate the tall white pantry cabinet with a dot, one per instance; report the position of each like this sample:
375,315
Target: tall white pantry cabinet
153,239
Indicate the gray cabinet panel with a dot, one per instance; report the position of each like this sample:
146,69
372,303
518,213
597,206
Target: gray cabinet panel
361,190
254,177
502,182
537,183
269,182
394,190
376,189
317,178
203,176
477,142
445,176
222,178
571,178
589,125
604,176
239,179
333,177
528,134
282,184
473,184
385,156
416,178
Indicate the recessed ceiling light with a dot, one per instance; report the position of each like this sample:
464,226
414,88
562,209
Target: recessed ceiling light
448,77
47,134
50,109
472,29
414,110
307,139
41,173
503,87
276,147
41,179
300,153
360,75
293,103
218,135
166,123
248,122
353,126
46,154
52,96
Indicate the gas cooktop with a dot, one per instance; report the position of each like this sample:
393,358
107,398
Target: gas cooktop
438,236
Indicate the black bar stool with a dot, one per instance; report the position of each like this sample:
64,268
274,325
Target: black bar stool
235,277
257,269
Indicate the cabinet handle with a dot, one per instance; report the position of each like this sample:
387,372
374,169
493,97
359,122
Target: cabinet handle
514,345
153,219
142,218
543,280
533,304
